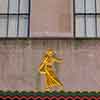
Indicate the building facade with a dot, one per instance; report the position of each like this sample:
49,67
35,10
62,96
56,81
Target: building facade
29,27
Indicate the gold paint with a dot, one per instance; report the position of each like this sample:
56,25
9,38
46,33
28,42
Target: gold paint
46,68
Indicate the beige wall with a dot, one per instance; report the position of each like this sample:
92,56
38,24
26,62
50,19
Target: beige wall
52,16
19,60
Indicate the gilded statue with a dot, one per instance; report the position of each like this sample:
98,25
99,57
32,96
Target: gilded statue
46,68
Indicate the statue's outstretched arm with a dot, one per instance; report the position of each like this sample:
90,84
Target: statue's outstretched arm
59,60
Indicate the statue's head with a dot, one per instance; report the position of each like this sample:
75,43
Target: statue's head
50,52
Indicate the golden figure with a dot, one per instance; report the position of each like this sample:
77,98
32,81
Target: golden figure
46,68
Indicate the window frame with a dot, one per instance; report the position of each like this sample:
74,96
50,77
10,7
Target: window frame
85,14
17,14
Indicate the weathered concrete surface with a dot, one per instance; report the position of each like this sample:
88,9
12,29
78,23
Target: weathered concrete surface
19,60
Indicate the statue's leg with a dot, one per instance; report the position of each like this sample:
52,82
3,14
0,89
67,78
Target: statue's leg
47,88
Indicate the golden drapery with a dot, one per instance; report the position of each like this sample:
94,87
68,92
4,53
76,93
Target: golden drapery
51,78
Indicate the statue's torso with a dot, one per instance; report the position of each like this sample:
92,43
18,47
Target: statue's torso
47,62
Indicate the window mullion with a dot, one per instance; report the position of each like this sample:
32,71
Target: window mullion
18,18
96,18
8,17
85,29
29,10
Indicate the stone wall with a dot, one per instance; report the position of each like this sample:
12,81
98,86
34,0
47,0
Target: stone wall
19,61
52,18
